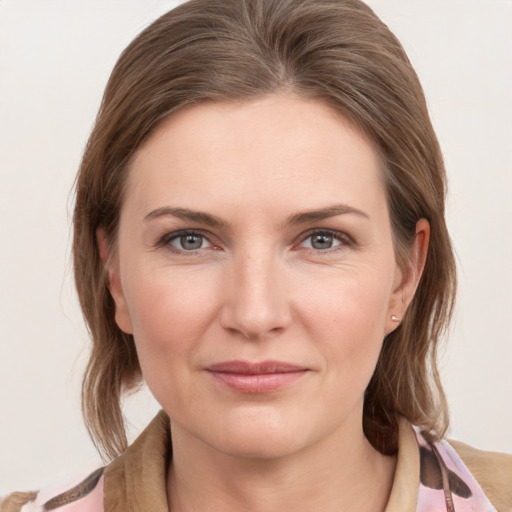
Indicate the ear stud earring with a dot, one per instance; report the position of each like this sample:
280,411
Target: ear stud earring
395,318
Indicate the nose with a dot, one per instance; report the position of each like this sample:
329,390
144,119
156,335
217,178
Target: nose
256,304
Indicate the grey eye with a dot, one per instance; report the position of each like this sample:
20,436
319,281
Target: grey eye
322,241
189,242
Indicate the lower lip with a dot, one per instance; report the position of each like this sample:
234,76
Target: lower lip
258,383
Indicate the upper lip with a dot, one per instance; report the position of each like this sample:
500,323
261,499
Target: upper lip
254,368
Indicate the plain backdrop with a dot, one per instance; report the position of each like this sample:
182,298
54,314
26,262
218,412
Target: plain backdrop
55,58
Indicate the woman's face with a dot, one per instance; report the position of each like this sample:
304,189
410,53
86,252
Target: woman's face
256,273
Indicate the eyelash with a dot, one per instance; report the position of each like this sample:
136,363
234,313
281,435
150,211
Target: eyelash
344,239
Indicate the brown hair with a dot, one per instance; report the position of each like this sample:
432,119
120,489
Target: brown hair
337,51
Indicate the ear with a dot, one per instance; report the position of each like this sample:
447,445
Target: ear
407,280
111,265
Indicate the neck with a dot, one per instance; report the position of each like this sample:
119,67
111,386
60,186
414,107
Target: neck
341,473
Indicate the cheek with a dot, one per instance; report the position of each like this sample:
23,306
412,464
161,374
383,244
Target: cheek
349,327
169,312
347,316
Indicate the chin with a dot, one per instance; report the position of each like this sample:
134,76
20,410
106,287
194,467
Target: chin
258,436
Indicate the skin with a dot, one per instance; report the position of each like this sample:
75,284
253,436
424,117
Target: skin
260,287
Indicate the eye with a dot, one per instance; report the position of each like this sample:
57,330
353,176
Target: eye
324,240
187,241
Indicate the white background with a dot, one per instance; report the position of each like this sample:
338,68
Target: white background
55,58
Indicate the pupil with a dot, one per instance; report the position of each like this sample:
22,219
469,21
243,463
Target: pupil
322,241
191,242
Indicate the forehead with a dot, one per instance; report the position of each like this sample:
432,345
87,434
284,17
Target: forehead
279,147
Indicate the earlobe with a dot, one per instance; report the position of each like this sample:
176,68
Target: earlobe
111,266
406,281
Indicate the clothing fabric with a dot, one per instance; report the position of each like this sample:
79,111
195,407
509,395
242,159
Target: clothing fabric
429,477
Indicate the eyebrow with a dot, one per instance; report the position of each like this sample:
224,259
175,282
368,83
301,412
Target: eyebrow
300,217
185,213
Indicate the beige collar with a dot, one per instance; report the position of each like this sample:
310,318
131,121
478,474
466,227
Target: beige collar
136,480
404,493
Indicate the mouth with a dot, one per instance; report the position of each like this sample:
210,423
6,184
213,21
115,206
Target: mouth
256,378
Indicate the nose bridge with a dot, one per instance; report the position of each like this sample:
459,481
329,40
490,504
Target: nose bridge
256,305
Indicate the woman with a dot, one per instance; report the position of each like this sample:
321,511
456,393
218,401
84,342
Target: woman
260,236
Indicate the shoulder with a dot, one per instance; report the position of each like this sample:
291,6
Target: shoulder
83,495
493,472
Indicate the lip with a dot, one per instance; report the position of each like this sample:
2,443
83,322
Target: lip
258,377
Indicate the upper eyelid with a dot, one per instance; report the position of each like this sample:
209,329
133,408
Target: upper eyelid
188,231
